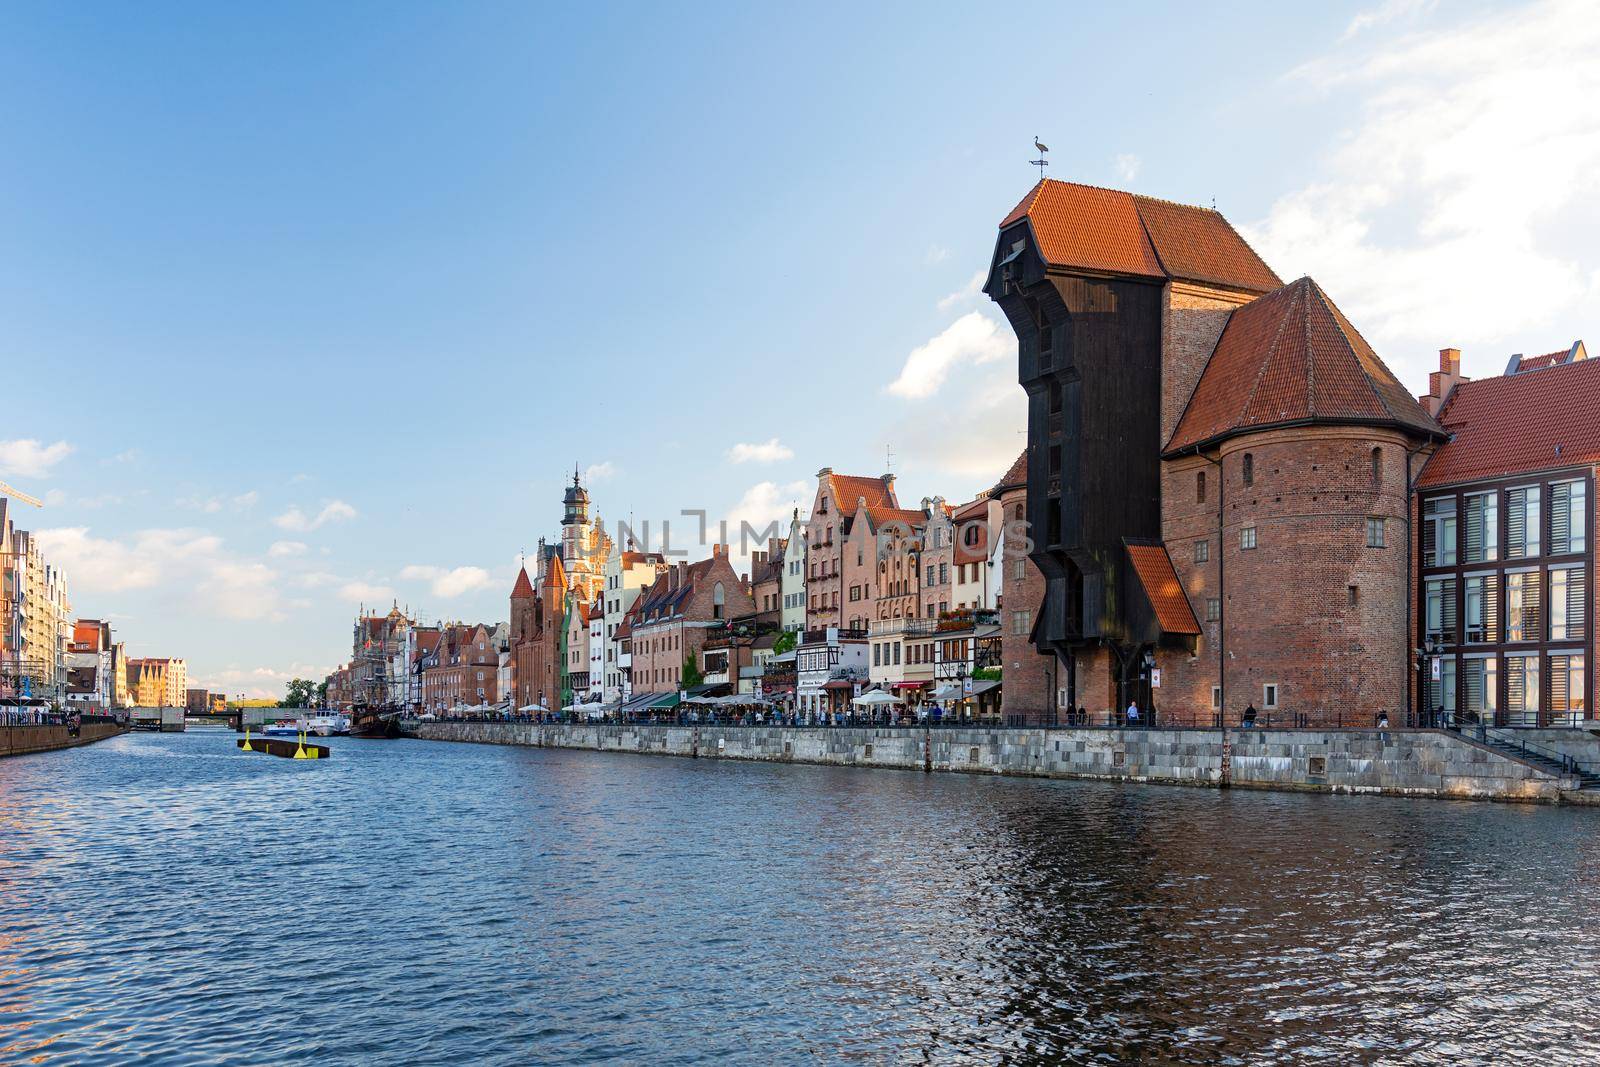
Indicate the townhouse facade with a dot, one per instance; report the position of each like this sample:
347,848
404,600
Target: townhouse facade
1505,519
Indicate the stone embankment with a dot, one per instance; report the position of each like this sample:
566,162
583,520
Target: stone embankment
22,740
1428,763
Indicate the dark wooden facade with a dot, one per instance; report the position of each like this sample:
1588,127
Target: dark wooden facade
1089,357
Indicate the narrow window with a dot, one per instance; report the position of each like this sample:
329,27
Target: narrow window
1249,469
1213,609
1202,551
1377,467
1200,487
1269,696
1247,537
1375,531
1353,594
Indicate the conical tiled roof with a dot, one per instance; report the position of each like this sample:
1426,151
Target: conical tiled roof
1291,358
523,588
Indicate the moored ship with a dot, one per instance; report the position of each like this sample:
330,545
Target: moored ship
374,720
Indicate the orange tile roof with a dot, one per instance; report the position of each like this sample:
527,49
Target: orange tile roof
1154,568
849,489
524,587
1519,423
1288,358
1108,230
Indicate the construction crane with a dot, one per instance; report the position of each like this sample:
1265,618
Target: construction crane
17,494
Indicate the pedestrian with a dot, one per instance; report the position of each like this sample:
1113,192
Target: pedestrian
1249,715
1383,720
1083,716
1133,713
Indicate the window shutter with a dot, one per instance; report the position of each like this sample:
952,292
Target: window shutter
1560,695
1474,545
1429,543
1491,608
1561,519
1474,685
1450,630
1530,606
1577,600
1517,523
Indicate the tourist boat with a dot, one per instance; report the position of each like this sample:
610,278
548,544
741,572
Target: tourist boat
328,725
283,728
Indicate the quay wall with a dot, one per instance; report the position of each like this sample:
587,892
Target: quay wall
1429,763
21,740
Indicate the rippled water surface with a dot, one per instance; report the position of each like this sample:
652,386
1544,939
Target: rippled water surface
166,896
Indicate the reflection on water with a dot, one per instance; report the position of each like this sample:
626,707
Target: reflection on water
408,902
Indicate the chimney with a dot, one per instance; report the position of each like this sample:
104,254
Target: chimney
1443,380
718,551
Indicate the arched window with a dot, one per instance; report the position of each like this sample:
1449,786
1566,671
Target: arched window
969,536
1200,487
1249,469
1377,467
718,600
1016,513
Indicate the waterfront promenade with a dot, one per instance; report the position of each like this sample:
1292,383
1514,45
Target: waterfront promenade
1423,763
21,739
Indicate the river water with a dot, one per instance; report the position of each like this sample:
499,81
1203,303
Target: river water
409,902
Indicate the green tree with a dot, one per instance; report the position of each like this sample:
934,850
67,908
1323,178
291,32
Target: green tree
322,693
299,694
785,642
691,672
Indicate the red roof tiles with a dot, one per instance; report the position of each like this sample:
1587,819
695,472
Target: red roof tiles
1108,230
1154,568
1016,476
849,489
523,588
1519,423
1287,358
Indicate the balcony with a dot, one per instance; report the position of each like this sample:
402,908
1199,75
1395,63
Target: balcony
908,626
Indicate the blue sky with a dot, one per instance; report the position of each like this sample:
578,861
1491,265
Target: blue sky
305,305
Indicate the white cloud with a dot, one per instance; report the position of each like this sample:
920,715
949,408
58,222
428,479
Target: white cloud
597,472
246,501
299,522
282,549
1385,13
1127,166
971,291
316,580
1458,208
772,451
207,576
935,254
443,582
973,338
763,506
300,477
365,592
971,444
25,457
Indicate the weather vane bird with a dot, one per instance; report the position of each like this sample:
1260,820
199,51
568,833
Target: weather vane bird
1041,162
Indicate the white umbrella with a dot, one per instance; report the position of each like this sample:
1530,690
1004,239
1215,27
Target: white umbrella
533,707
874,698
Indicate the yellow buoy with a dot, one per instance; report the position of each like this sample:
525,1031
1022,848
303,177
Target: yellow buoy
246,746
300,746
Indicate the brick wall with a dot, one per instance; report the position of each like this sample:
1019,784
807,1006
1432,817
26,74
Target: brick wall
1192,318
1288,605
1027,675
